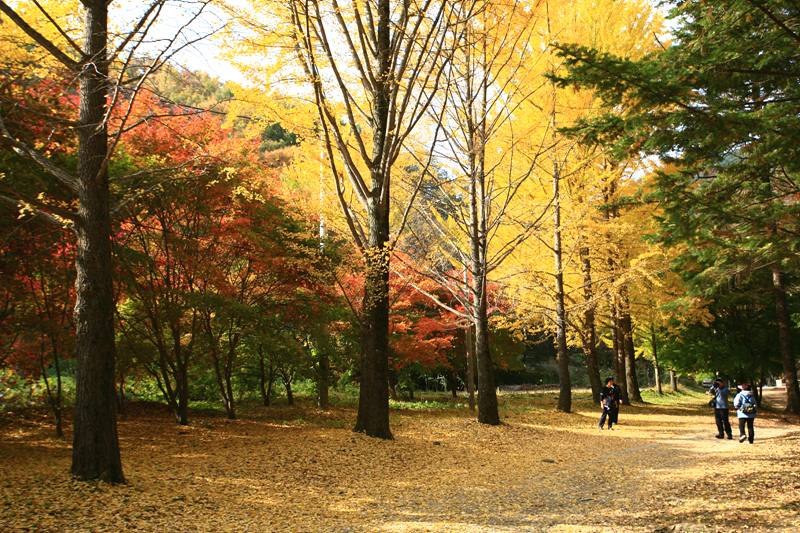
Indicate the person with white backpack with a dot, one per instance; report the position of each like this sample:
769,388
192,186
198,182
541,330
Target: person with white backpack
746,411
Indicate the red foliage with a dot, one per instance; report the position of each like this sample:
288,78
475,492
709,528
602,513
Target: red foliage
420,331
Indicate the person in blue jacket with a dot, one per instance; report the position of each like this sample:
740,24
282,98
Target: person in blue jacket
721,392
746,411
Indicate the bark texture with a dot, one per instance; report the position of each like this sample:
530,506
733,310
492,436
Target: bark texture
619,354
95,447
589,334
565,384
656,365
785,338
373,403
626,325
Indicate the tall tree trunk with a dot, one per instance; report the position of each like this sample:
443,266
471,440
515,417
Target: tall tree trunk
589,334
231,359
673,381
53,398
470,368
654,343
487,393
619,353
565,385
373,401
616,331
219,371
785,337
632,381
182,357
262,375
95,445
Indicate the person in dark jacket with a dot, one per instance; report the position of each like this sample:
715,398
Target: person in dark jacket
720,391
745,419
609,403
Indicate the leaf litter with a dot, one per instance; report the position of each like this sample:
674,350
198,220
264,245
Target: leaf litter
302,470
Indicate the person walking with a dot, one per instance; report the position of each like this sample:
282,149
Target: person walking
615,413
746,411
609,404
721,392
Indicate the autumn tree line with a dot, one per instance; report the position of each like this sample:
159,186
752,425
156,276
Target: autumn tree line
393,190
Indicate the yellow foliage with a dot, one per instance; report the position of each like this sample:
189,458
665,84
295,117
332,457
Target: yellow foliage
18,53
593,231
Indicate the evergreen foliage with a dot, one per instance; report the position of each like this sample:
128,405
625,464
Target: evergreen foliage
720,106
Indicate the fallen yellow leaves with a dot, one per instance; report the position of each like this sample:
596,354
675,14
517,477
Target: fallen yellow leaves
539,472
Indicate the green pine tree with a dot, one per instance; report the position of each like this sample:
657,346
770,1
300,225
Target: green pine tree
721,104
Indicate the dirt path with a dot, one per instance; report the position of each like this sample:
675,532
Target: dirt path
628,480
774,398
540,471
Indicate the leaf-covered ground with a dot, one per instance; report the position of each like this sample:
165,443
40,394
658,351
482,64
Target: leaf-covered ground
303,470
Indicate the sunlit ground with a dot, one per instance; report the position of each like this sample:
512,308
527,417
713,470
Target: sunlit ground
301,469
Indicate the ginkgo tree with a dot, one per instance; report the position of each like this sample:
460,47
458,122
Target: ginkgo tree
371,71
471,218
558,275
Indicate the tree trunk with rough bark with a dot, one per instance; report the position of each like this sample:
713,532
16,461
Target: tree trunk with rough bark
589,333
487,393
470,367
619,354
373,401
95,445
626,325
654,342
565,384
785,338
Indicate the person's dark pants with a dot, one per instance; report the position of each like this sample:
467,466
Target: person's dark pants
723,422
749,423
612,415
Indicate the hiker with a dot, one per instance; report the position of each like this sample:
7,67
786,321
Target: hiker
721,392
609,403
746,411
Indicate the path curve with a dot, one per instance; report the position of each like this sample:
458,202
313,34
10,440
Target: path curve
639,483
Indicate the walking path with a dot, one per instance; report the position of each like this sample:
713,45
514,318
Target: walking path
660,471
646,476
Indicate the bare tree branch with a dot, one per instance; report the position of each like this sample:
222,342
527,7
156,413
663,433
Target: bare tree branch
26,151
40,39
